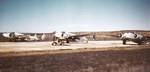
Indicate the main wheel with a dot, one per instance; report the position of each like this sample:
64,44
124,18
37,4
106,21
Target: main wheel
67,41
62,43
139,43
54,43
10,40
124,42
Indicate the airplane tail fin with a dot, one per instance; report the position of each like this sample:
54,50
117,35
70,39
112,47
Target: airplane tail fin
35,35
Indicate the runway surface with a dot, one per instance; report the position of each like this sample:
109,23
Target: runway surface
44,46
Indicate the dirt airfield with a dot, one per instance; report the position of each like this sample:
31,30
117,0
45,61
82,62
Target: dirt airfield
95,56
13,48
43,46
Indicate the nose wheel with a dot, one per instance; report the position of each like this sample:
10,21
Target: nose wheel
54,43
60,43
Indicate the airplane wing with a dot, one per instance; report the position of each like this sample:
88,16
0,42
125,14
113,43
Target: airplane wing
140,39
77,36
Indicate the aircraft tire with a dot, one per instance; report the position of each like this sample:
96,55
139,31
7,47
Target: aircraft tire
124,42
10,40
14,40
22,39
54,43
62,43
67,41
139,43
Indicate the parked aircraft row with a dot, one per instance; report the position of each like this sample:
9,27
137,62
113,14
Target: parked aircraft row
60,38
14,36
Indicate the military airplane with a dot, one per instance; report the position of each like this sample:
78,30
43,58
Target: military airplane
14,37
60,38
134,37
32,38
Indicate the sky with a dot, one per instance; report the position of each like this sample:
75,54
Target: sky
74,15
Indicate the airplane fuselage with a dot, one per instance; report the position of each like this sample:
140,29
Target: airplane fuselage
137,38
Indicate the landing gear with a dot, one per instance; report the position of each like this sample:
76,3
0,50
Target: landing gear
62,43
124,42
12,40
139,43
67,41
54,43
59,42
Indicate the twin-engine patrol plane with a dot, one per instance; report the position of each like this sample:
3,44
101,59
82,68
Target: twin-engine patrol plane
14,37
60,38
134,37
